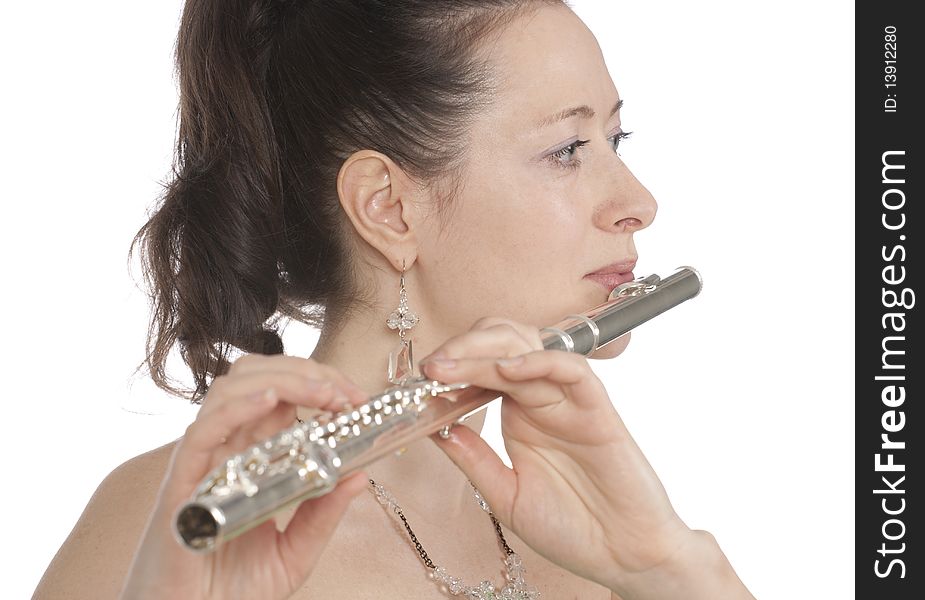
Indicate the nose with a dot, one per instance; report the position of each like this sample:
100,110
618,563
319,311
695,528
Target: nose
627,205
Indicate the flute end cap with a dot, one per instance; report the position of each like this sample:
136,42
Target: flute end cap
697,274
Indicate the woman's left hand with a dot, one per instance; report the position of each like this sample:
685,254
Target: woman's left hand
580,492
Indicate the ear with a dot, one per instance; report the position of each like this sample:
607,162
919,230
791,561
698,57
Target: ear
378,199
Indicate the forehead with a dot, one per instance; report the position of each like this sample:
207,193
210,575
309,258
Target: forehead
545,61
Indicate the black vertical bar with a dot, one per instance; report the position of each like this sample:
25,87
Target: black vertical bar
889,368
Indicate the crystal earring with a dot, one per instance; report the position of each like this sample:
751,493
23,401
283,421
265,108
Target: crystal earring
402,318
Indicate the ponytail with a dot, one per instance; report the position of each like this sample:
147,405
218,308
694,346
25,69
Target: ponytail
213,245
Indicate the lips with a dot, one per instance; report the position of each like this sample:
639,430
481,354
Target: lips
610,280
614,274
622,266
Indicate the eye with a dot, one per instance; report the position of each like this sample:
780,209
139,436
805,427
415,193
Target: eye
565,157
619,137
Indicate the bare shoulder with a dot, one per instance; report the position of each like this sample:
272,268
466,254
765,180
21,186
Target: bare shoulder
94,558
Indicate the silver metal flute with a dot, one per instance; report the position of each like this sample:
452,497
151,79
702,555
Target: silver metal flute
307,460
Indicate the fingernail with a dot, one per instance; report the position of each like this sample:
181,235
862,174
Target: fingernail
267,396
510,362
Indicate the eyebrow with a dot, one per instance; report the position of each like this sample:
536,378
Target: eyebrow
584,111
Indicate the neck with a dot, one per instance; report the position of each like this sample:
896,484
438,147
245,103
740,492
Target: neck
421,477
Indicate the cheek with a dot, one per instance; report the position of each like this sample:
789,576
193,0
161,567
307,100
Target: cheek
514,246
527,221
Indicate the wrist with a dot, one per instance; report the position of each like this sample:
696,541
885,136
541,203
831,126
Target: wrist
698,570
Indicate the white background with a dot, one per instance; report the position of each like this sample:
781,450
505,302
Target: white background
742,398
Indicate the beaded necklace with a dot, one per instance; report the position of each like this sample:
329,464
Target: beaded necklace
515,588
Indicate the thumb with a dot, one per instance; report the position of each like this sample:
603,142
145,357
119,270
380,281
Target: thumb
481,464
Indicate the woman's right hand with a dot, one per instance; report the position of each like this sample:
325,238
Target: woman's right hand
253,401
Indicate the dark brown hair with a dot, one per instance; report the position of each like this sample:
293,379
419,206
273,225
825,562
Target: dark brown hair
273,97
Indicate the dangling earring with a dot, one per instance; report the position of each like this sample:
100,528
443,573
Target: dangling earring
401,362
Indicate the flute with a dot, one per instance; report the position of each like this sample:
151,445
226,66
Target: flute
307,460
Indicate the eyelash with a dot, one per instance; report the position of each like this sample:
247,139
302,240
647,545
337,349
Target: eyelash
555,157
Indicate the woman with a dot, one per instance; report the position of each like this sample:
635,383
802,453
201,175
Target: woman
347,156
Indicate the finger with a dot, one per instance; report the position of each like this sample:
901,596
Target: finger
194,454
284,416
313,524
528,332
565,369
535,379
281,417
307,367
495,337
485,373
484,468
322,397
294,388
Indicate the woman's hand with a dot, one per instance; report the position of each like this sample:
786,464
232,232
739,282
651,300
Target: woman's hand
580,493
256,399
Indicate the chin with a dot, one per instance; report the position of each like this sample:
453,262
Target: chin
614,348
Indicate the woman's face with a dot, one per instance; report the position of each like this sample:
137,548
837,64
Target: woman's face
537,213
